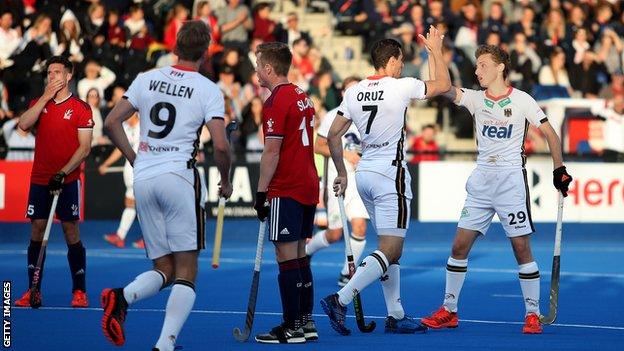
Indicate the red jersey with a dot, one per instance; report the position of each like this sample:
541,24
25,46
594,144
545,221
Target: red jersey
430,147
288,114
57,137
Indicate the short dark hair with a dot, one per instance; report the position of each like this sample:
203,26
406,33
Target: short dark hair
193,40
383,50
62,60
277,55
350,80
498,56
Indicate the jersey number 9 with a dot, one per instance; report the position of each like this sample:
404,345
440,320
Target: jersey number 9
167,123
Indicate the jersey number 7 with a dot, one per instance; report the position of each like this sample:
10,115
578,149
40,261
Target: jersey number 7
371,117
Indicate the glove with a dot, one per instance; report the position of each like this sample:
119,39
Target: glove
56,181
562,180
261,206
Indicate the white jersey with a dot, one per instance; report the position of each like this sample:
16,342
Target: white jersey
173,103
501,124
377,106
350,141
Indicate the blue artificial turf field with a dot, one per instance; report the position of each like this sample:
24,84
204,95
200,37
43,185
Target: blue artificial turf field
491,308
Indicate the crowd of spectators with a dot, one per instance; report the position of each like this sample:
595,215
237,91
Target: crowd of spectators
558,48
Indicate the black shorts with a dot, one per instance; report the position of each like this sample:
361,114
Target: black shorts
67,208
290,220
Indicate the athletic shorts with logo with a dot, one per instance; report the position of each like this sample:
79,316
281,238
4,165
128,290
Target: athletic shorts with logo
67,207
354,207
501,191
290,220
386,194
171,213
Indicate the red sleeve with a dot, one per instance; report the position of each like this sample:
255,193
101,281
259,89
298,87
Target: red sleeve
170,35
85,120
275,117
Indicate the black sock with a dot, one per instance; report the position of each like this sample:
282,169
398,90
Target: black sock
33,255
290,290
307,292
77,258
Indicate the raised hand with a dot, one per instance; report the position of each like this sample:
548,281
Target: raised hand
433,40
52,88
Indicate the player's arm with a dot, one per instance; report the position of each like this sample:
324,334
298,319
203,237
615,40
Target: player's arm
440,80
221,154
561,178
269,161
84,147
334,138
28,119
112,158
321,146
113,124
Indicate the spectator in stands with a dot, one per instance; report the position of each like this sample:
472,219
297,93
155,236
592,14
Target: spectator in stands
424,146
291,31
15,137
248,61
417,20
609,48
67,41
577,18
231,88
615,88
555,73
436,13
613,131
94,23
115,34
235,21
301,59
252,89
580,44
9,38
264,26
494,23
117,94
412,59
525,63
135,21
466,37
96,76
324,88
585,76
320,62
528,26
554,32
603,16
295,77
95,101
251,133
231,58
176,18
142,40
206,15
5,111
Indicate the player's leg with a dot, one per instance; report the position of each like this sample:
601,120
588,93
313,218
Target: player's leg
129,213
307,282
285,223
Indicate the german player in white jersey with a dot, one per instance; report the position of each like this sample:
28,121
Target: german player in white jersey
377,107
498,185
354,207
173,103
117,239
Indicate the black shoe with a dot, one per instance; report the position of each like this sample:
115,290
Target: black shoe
115,307
282,335
405,325
343,279
309,331
336,313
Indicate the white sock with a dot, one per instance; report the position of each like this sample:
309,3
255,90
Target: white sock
357,247
455,275
530,284
391,284
127,218
179,306
146,284
371,269
318,241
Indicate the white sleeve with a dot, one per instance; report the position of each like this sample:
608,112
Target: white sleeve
214,106
326,123
534,113
343,110
134,91
412,88
469,99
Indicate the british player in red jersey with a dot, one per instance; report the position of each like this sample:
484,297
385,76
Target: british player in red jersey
289,182
64,131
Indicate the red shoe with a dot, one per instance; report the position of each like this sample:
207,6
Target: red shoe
115,307
532,324
115,240
139,244
80,299
24,301
441,319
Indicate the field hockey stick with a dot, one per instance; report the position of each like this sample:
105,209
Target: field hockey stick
35,300
554,277
242,336
357,302
216,252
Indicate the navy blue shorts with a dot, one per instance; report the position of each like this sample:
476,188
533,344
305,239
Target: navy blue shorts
290,220
67,208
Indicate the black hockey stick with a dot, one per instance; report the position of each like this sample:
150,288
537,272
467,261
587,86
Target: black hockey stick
242,336
554,277
357,301
35,300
